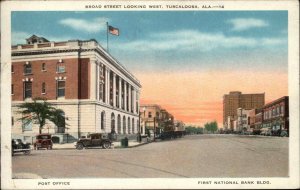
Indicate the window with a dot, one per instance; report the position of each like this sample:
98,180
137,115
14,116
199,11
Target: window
282,109
102,123
60,68
12,89
43,88
27,68
61,88
12,68
149,114
101,91
12,121
27,89
43,66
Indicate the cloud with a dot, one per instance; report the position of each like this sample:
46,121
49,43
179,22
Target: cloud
91,26
193,40
242,24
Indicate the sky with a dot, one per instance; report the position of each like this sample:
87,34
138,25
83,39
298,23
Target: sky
185,60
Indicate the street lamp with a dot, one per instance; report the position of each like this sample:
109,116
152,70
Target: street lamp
154,129
139,132
144,119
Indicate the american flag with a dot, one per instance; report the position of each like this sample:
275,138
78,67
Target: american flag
113,31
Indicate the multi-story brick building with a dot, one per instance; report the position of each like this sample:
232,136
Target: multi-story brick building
235,100
276,114
96,93
150,117
153,117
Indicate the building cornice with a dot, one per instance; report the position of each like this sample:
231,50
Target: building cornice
74,46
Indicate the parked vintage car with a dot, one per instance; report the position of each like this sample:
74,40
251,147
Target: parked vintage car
43,141
17,145
266,131
94,140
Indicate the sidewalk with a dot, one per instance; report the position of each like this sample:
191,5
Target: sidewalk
65,146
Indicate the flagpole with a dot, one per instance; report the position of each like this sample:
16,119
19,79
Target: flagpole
107,36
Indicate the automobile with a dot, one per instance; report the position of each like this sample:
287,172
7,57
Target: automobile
284,133
94,140
247,132
43,141
266,131
17,145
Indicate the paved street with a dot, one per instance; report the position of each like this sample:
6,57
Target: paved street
191,156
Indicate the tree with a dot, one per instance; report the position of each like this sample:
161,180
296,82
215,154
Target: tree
193,130
212,126
39,111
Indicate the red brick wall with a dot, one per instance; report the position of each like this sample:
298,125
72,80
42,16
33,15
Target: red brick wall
85,82
48,76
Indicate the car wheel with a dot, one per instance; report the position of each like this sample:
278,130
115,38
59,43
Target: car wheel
106,145
27,152
79,146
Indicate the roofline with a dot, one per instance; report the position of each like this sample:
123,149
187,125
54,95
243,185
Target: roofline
275,101
99,49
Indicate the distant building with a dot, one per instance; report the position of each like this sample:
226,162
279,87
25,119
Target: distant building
150,117
276,114
242,119
96,93
235,100
255,119
179,126
167,121
154,117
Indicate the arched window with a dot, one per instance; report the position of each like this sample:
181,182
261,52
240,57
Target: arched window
27,68
112,123
128,123
119,124
124,125
102,120
133,127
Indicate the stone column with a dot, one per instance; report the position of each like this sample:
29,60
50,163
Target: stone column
97,81
129,97
125,96
107,86
134,101
120,92
114,89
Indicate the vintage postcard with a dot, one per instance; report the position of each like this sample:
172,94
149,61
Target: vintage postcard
149,94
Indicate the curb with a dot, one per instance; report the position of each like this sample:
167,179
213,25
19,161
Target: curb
118,147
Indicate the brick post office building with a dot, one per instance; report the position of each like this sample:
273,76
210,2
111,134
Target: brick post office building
96,93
